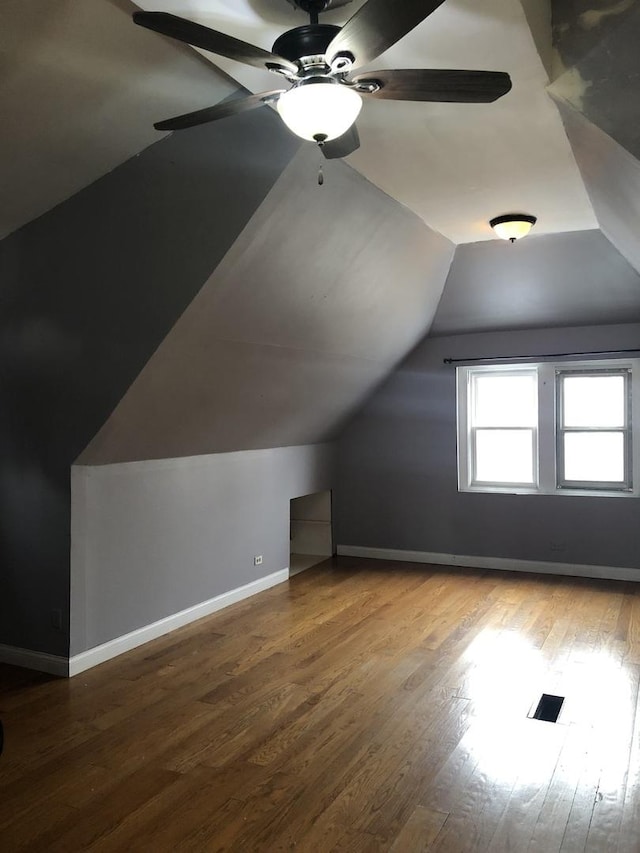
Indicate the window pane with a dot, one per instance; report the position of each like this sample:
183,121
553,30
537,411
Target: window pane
594,457
504,456
594,401
505,400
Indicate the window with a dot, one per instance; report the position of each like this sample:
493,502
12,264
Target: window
593,431
548,428
503,420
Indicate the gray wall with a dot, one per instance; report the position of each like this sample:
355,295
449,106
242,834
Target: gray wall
573,279
88,292
154,538
302,317
299,321
396,481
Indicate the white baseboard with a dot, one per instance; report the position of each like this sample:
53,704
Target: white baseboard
503,563
99,654
42,661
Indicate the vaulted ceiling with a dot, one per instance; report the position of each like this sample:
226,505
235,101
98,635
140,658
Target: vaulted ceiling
430,157
81,90
82,86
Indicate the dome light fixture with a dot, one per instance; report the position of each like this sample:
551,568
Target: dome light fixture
319,109
512,226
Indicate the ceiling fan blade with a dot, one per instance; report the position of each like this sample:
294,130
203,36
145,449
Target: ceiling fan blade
468,87
344,145
377,25
208,39
226,108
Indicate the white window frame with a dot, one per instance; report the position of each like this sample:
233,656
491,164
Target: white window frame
625,430
471,442
549,433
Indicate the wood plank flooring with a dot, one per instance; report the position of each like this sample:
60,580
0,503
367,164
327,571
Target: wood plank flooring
363,706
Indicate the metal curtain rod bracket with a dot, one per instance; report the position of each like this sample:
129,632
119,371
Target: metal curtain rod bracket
548,355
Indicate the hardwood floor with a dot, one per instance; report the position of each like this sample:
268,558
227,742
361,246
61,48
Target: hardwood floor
363,706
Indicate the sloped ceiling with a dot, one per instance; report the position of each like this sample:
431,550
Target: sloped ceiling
596,67
303,317
90,289
612,177
79,91
82,87
450,166
596,85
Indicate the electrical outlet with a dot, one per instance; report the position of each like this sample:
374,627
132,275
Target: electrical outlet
56,619
257,560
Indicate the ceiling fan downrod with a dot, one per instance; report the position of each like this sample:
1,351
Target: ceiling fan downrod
314,8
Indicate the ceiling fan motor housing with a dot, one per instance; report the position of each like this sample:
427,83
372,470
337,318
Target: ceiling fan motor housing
308,40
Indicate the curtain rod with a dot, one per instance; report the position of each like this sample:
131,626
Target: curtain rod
496,358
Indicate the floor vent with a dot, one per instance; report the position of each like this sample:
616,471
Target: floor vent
548,708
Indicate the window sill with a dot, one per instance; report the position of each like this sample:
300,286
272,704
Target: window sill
515,490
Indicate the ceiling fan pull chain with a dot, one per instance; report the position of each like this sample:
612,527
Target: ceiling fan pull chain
320,139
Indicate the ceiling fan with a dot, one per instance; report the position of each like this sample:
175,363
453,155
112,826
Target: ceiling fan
323,98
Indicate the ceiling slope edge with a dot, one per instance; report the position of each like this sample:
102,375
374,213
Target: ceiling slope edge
612,178
538,15
322,294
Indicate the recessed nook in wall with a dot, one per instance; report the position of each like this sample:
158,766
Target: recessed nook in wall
310,536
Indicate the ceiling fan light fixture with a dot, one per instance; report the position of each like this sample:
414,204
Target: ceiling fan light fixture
512,226
319,109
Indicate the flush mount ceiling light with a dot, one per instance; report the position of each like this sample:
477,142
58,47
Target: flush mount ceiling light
512,226
319,109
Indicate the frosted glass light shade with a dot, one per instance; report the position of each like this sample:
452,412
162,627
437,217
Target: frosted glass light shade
513,226
319,110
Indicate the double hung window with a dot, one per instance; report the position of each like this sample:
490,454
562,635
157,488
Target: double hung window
548,428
